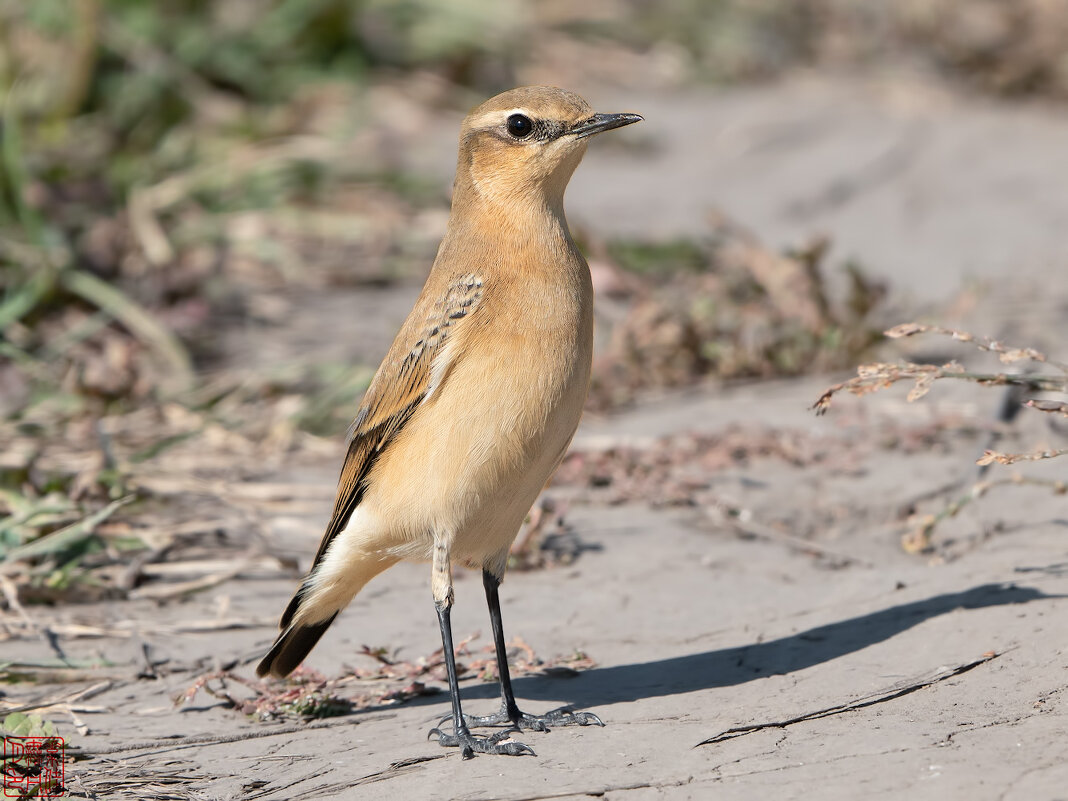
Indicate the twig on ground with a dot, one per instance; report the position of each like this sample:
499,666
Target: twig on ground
64,700
162,592
11,595
140,323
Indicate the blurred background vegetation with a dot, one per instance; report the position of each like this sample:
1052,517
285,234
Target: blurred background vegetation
173,174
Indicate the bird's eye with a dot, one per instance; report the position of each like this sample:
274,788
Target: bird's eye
520,126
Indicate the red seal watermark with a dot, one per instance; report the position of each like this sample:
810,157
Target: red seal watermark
33,767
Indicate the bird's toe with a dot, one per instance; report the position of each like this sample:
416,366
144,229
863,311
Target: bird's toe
471,744
558,717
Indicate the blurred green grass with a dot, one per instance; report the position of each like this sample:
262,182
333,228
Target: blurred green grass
130,130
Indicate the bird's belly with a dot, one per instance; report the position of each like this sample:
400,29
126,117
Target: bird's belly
473,459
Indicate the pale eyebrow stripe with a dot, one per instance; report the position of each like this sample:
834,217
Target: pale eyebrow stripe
492,119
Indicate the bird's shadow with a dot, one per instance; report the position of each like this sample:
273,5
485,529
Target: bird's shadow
728,667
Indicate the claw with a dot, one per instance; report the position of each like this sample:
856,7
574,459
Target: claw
587,719
566,717
522,749
470,744
534,723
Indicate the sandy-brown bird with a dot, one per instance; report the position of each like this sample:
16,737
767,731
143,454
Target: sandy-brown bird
473,407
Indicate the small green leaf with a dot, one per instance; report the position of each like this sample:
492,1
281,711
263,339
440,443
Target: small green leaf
15,721
66,537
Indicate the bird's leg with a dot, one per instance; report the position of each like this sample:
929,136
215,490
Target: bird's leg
509,712
461,736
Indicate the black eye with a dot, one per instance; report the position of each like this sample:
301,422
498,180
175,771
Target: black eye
520,126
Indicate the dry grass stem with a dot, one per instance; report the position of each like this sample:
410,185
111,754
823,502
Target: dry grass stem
1006,353
880,375
872,377
1049,406
918,539
989,457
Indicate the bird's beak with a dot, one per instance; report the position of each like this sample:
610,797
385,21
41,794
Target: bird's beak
603,122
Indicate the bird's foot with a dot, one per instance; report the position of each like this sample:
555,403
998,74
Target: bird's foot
471,744
564,716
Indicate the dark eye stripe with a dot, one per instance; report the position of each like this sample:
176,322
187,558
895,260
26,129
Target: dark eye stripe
539,130
548,129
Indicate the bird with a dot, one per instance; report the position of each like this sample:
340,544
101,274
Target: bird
477,399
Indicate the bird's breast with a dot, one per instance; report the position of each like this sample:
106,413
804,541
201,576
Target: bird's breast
473,458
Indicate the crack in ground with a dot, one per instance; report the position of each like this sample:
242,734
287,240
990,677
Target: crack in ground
948,740
1039,707
717,770
829,761
599,792
399,768
881,697
1016,782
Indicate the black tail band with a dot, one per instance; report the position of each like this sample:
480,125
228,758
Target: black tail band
291,647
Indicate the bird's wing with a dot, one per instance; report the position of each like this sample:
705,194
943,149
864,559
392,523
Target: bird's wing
408,376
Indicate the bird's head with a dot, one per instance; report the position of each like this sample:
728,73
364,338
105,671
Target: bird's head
523,145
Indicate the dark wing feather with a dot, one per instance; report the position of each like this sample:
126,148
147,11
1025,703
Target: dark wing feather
400,385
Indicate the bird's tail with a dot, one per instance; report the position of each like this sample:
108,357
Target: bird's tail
325,592
292,645
328,588
298,635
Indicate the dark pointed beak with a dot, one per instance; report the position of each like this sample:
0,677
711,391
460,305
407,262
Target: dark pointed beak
603,122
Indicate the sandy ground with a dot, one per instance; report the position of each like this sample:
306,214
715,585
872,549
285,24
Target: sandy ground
865,670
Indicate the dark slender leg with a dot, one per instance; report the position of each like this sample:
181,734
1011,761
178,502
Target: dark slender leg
459,727
493,601
462,736
510,712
